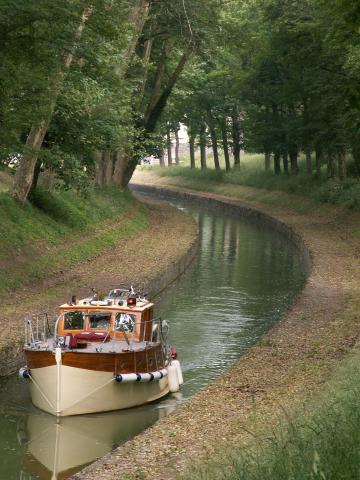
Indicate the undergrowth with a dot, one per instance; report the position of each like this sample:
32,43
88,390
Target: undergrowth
252,174
59,229
319,441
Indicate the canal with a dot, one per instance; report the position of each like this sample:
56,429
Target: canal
245,276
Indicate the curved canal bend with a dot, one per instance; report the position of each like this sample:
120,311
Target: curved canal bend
244,278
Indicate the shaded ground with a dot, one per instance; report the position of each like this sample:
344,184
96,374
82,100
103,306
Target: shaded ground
294,360
145,256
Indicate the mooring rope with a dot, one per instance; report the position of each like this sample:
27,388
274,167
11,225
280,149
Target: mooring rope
89,394
42,393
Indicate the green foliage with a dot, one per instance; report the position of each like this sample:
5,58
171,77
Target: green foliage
319,442
92,107
345,194
53,215
288,71
38,234
208,175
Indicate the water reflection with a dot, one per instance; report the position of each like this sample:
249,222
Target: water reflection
243,279
54,449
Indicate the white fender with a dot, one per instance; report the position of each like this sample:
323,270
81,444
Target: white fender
141,377
173,379
128,377
160,374
176,363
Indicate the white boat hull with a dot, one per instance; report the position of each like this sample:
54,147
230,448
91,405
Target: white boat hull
63,390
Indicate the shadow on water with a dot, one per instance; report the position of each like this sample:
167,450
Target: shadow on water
243,279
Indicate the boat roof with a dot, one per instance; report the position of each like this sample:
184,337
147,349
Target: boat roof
110,306
123,298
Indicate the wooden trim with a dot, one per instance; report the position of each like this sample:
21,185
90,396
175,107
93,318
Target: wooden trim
142,361
99,362
39,359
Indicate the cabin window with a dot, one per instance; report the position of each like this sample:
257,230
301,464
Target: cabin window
99,321
125,322
74,321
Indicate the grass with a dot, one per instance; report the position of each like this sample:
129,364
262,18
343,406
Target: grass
319,441
59,230
252,174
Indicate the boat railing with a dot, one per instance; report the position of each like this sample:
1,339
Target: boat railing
158,328
38,328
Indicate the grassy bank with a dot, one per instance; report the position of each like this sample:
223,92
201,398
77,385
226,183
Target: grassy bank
58,230
320,441
252,174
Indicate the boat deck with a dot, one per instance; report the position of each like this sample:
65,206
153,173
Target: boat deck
112,346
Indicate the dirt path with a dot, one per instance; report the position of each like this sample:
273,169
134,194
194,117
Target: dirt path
294,360
145,257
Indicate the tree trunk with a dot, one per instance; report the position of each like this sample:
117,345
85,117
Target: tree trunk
162,158
285,158
214,142
342,164
225,145
108,164
331,168
146,61
203,146
99,169
318,161
169,148
308,162
355,151
277,167
159,77
293,153
149,125
177,145
119,168
267,160
137,18
236,140
192,151
25,172
155,112
36,176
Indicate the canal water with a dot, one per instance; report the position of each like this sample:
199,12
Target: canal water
243,279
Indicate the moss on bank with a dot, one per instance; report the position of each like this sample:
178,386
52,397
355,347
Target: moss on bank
58,230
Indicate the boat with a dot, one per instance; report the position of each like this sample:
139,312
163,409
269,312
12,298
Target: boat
104,354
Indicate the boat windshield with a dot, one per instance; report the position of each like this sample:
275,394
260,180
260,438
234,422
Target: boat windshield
100,321
74,321
125,322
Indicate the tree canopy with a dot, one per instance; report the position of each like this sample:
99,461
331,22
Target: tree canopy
89,88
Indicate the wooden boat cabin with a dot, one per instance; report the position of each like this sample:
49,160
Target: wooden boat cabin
99,321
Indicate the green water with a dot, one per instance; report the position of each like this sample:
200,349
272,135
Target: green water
244,277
